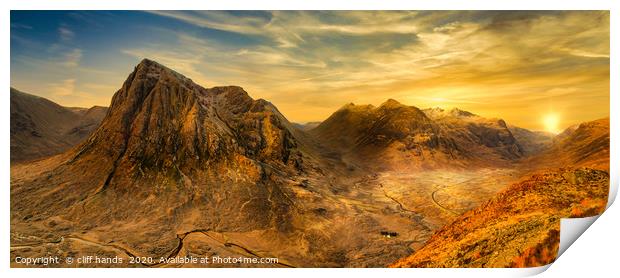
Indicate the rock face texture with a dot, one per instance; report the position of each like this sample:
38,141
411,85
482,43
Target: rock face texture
491,137
405,137
160,119
41,128
181,156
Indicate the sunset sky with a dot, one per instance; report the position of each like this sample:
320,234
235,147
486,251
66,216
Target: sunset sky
533,69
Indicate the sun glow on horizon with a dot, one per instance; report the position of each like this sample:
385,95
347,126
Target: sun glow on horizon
551,122
310,63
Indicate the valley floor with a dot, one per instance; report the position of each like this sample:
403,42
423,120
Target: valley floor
376,220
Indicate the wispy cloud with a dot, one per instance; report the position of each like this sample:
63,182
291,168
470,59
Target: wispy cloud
65,88
220,20
311,62
65,34
72,57
20,26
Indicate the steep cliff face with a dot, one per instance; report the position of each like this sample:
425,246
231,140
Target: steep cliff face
160,119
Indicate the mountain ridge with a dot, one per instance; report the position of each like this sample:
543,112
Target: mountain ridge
41,128
422,137
176,169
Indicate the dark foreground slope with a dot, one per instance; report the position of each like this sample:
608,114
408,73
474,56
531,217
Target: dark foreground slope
41,128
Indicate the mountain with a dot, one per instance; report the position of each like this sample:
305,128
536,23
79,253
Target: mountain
531,142
405,137
169,156
175,169
519,227
41,128
307,126
480,135
583,145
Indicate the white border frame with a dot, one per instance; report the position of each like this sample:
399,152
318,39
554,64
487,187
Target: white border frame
567,264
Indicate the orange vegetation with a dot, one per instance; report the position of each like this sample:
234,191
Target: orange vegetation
519,226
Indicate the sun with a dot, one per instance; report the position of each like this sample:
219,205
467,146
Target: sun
551,122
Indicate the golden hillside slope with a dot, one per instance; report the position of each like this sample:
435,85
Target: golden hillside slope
519,227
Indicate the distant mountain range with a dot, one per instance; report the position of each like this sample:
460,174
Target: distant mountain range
41,128
170,161
404,137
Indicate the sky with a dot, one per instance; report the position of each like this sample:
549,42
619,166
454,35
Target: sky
543,70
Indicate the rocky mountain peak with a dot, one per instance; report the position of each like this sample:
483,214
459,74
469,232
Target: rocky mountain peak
391,103
437,113
159,118
461,113
356,108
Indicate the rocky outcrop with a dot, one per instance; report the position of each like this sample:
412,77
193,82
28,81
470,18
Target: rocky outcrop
178,154
162,119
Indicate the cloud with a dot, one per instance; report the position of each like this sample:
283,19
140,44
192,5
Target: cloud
311,62
72,57
185,55
20,26
65,88
65,34
220,20
289,28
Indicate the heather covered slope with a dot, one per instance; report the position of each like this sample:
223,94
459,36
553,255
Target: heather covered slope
41,128
517,228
